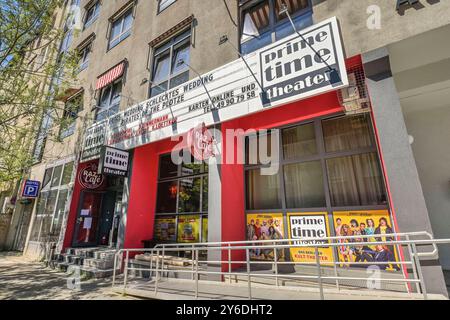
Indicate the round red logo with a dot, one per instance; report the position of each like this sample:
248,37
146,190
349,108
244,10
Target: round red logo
89,177
201,143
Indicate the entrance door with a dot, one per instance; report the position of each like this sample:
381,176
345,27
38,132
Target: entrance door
88,220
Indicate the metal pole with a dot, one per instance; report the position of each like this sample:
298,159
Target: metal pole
419,270
413,265
338,287
196,274
275,257
151,265
193,260
229,263
248,274
114,271
156,272
125,278
319,273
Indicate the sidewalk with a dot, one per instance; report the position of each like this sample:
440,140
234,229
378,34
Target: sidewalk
22,279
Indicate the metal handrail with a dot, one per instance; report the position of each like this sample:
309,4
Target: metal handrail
196,248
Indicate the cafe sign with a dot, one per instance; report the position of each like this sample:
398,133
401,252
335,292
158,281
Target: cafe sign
89,178
286,71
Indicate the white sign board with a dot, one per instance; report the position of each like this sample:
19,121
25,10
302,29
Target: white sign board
114,162
289,70
308,228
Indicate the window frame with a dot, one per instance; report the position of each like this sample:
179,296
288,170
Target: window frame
244,6
159,6
321,156
110,86
85,52
113,42
176,41
88,21
69,130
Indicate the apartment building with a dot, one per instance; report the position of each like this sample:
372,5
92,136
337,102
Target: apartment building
358,99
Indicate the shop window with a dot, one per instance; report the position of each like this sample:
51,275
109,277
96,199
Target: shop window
299,142
356,181
182,201
67,173
110,97
47,177
348,133
263,191
59,212
70,115
121,28
170,64
263,23
304,185
164,4
92,13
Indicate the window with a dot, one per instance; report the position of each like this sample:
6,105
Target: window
84,54
92,13
182,201
163,4
263,23
70,115
109,103
51,204
121,28
325,165
170,64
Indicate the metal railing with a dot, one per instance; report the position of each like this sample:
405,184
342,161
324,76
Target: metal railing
406,245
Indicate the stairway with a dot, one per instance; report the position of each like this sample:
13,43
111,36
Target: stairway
92,262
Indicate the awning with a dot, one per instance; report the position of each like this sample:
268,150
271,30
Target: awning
110,76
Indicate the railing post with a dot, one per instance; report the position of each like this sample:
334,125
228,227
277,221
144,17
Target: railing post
114,271
162,262
419,271
151,265
125,278
196,273
413,265
275,257
193,260
157,272
247,254
229,262
319,273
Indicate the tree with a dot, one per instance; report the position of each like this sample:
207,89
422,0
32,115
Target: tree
36,68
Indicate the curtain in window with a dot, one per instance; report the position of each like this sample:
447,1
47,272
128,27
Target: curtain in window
299,142
262,191
356,181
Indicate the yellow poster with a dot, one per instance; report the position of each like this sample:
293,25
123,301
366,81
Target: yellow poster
189,229
373,223
204,229
265,226
165,229
309,227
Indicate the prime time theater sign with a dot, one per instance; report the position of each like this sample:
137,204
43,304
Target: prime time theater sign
289,70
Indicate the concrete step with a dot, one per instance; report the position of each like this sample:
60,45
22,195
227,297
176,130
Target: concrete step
94,273
101,264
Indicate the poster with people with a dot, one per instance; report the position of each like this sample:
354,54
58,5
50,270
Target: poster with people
309,228
265,226
204,229
189,229
165,229
373,223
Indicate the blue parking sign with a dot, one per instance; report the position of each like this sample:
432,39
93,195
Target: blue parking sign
31,189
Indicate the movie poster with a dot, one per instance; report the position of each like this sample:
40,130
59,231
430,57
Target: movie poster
370,222
265,226
204,229
165,229
189,229
306,227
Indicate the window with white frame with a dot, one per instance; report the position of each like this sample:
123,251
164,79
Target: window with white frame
109,103
92,13
264,22
170,64
52,203
84,53
164,4
71,109
121,28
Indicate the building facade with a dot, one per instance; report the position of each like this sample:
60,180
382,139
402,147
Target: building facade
355,105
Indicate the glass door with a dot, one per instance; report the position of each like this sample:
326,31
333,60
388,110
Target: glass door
88,220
